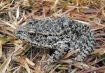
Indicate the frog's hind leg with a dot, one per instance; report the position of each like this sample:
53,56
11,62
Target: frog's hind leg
61,49
80,57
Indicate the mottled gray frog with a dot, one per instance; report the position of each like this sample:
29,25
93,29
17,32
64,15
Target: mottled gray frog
62,33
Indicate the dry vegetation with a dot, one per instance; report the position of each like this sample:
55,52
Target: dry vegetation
17,56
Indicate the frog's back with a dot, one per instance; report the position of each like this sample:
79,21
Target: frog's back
48,26
47,31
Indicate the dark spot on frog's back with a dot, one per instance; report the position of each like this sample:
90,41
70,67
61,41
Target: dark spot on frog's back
70,23
45,36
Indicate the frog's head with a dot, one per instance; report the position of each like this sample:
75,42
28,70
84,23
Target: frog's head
26,31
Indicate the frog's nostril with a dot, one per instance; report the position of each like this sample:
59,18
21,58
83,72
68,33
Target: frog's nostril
19,32
30,22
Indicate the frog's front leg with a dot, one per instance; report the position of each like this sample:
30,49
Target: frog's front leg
61,49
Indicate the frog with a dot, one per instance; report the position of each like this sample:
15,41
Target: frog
61,33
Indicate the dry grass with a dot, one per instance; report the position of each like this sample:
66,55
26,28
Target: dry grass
17,56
